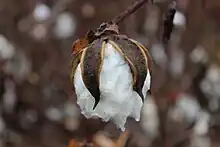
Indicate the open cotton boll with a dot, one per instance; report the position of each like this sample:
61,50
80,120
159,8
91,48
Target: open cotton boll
65,25
118,100
7,50
202,125
41,12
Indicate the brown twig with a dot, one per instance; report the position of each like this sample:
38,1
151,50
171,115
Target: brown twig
136,5
112,25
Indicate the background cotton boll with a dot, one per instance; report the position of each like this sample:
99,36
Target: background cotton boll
39,32
187,107
179,19
53,114
199,55
19,66
149,118
7,50
206,86
65,25
177,63
9,97
158,54
213,73
118,100
88,10
41,12
202,124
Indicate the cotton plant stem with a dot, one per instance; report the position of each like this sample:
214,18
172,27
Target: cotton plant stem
131,9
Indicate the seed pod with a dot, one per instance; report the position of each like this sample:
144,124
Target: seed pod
112,73
92,60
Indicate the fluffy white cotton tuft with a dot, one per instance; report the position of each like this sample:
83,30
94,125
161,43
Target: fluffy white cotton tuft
118,100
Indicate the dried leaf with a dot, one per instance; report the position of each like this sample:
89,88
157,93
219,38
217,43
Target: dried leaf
73,143
123,138
103,141
79,44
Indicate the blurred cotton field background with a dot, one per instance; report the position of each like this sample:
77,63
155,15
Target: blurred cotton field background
38,106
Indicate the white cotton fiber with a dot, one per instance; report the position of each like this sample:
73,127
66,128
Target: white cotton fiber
118,100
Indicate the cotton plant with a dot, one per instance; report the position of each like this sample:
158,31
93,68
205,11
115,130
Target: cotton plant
111,73
210,86
188,110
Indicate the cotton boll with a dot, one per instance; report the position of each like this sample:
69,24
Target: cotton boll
213,73
7,50
9,97
158,54
54,114
179,19
39,32
19,66
88,10
118,100
65,25
187,107
150,120
202,124
210,86
41,12
206,86
199,55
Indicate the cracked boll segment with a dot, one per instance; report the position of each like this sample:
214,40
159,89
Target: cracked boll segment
118,99
137,57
